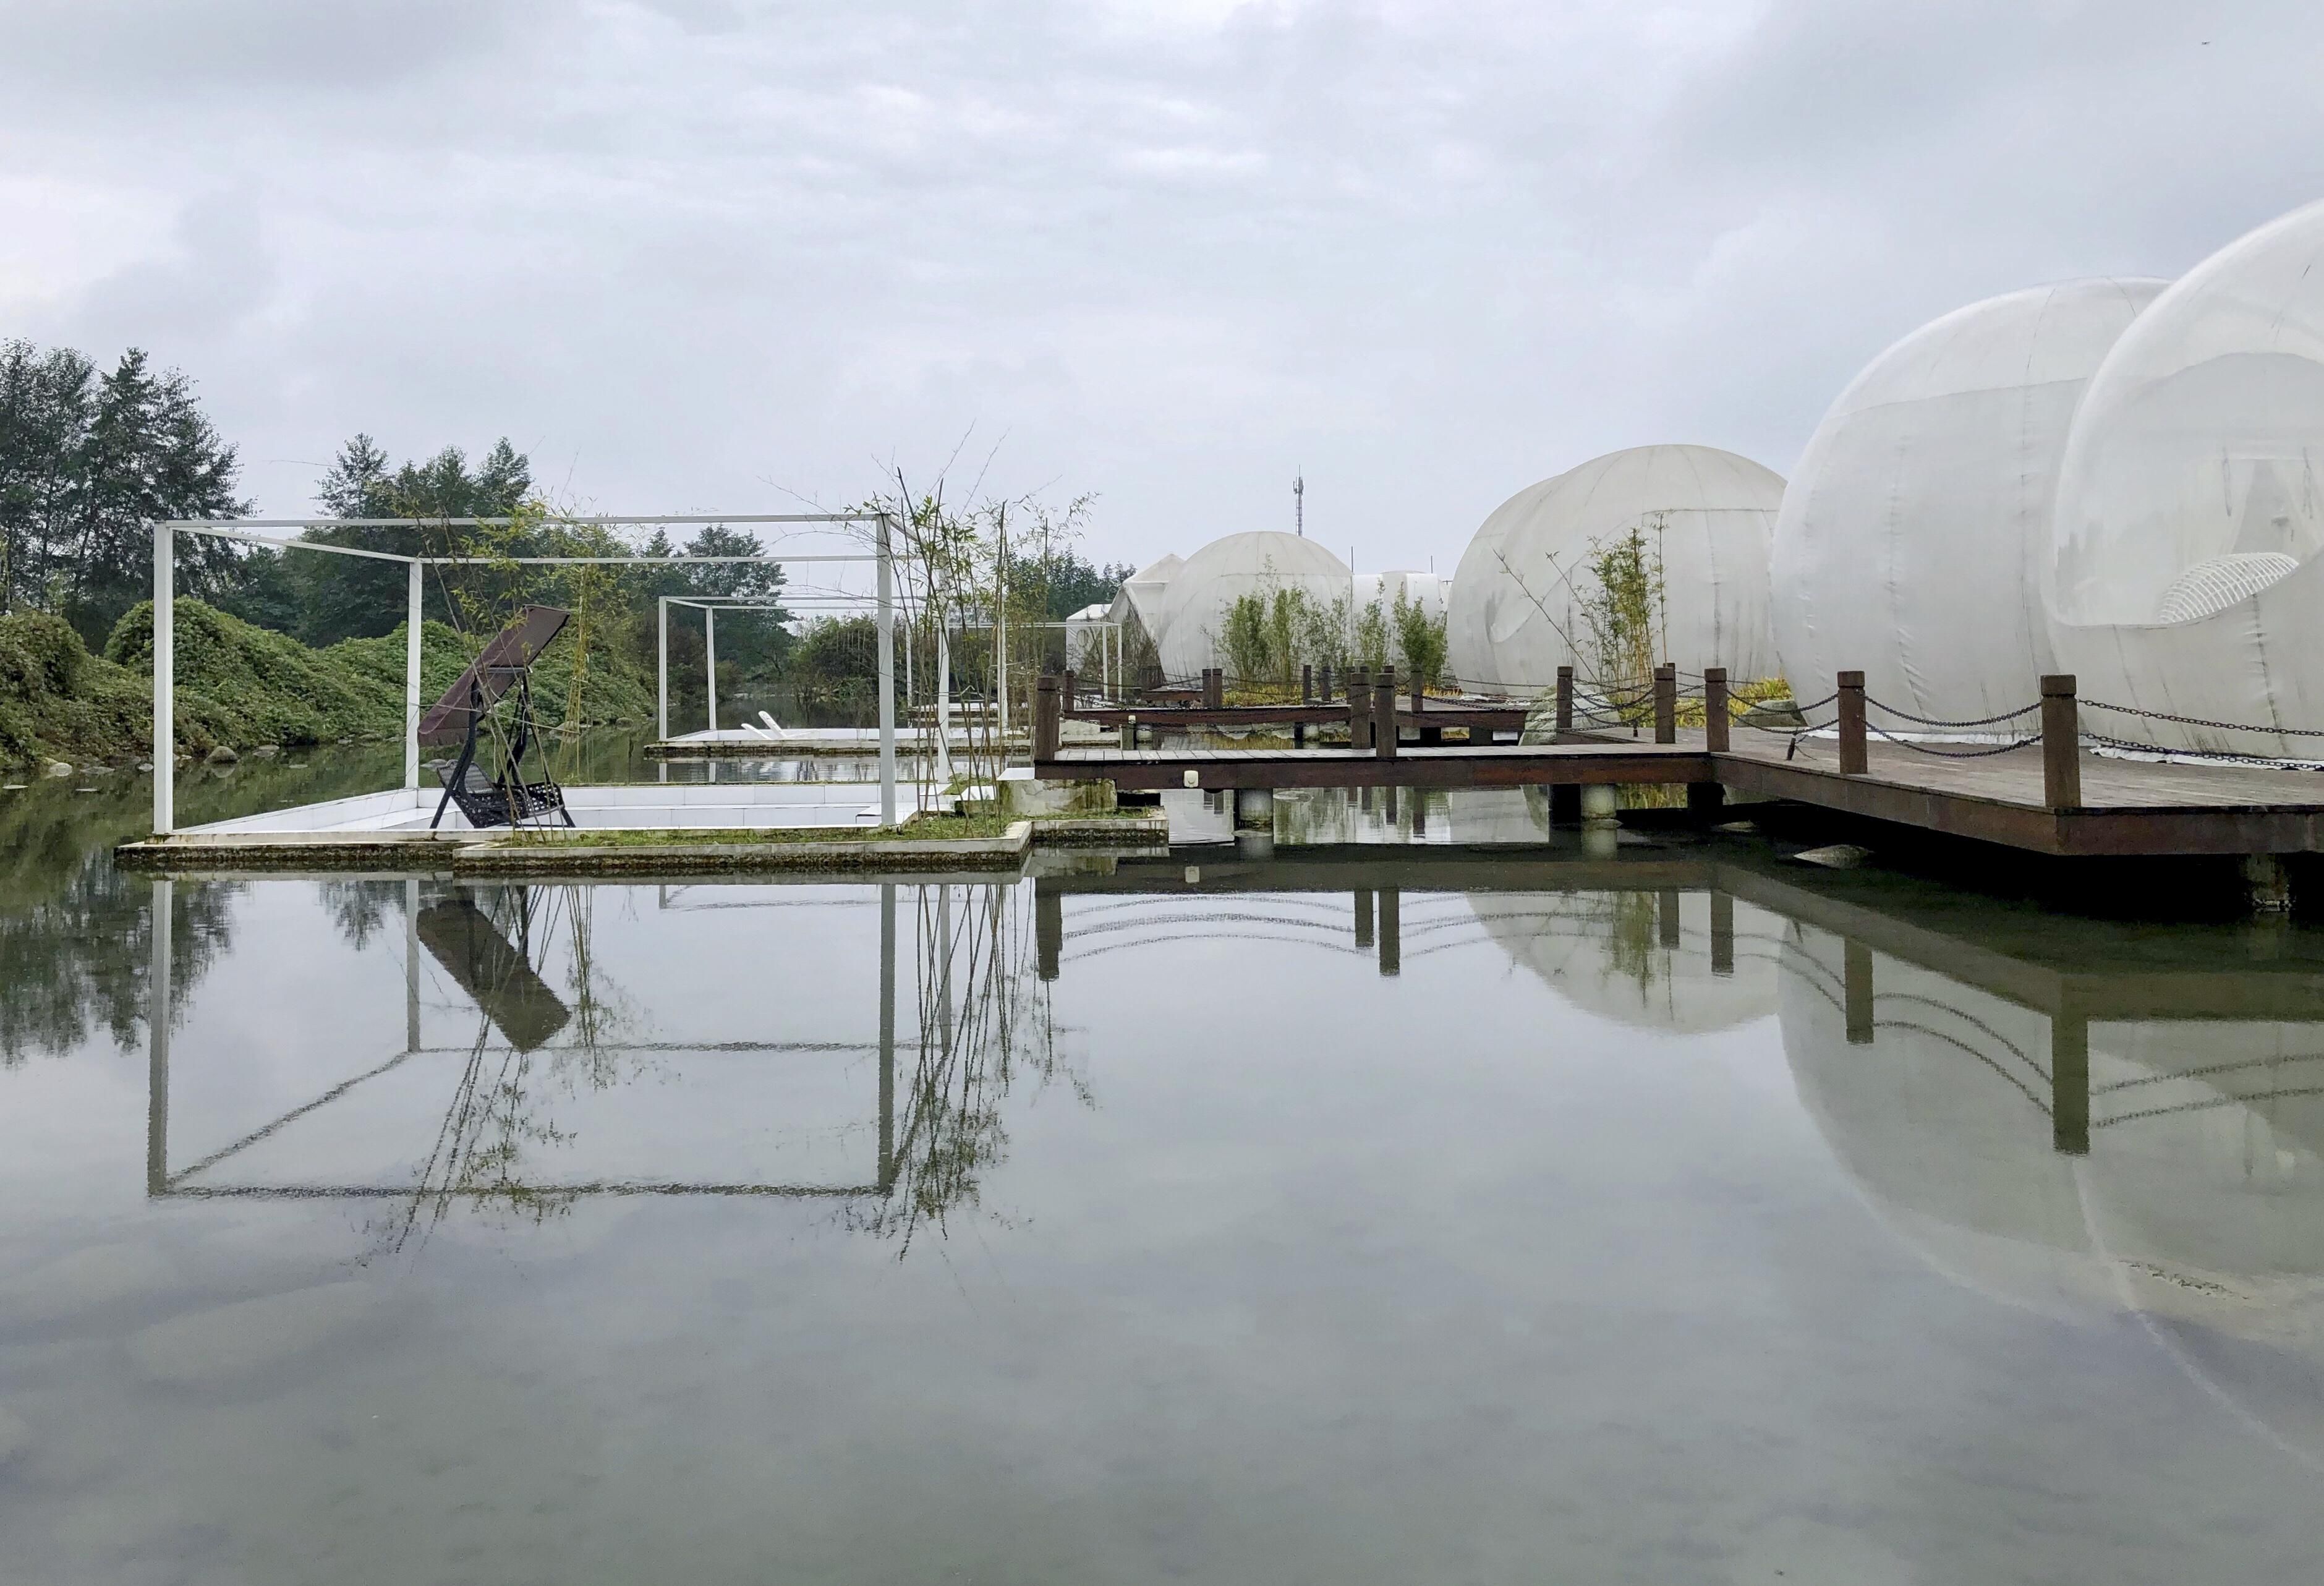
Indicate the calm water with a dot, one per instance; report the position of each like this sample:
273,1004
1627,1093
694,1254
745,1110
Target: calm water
1673,1216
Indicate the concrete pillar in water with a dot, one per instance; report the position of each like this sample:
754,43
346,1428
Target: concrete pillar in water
1255,807
1598,805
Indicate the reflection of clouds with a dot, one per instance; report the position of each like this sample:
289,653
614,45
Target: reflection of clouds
2200,1205
1608,953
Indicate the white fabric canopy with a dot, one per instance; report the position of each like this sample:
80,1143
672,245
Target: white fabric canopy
1469,652
1914,530
1196,601
2190,507
1139,600
1708,514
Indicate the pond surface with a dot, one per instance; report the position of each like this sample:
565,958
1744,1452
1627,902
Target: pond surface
1673,1216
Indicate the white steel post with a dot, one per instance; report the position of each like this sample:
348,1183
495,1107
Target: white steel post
165,680
710,659
411,683
887,677
661,668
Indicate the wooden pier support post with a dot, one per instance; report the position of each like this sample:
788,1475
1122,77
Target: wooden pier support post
1716,722
1392,931
1384,714
1045,718
1130,731
1048,929
1564,699
1666,703
1306,684
1852,760
2069,1083
2062,744
1363,916
1855,991
1722,933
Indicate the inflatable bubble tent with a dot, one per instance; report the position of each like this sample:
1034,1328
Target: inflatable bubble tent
2183,578
1525,585
1194,603
1913,531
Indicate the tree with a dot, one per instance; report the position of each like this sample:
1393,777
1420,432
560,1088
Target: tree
89,464
353,597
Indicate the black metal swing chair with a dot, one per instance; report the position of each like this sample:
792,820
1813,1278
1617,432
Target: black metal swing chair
497,687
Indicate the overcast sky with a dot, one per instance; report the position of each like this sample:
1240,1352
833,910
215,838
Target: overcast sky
703,256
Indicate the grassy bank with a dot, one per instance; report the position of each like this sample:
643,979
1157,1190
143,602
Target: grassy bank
246,686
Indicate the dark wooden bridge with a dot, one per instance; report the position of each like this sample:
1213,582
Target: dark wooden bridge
2044,793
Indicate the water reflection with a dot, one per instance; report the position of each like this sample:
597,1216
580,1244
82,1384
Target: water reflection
567,1083
2032,1147
1677,1214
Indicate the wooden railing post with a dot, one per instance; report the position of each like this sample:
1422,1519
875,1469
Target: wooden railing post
1565,699
1045,718
1067,693
1326,697
1715,722
1666,703
1384,714
1215,686
1306,684
1852,760
1360,713
2062,744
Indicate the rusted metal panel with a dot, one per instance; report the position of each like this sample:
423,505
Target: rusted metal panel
494,671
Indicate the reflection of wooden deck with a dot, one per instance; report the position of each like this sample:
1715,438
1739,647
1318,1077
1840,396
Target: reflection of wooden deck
2128,807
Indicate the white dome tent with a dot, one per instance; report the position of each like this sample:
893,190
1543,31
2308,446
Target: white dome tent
1706,514
1138,609
2191,506
1469,652
1914,530
1196,600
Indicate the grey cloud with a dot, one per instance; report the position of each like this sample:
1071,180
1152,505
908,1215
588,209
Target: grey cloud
108,48
702,253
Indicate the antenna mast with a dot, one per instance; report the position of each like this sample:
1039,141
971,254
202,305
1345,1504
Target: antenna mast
1299,503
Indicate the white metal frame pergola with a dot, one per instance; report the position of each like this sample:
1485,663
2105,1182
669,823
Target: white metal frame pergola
247,531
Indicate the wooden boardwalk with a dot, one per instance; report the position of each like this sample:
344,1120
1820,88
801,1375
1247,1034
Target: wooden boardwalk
2125,808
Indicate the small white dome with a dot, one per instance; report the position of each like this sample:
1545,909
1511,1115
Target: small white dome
1196,601
1704,514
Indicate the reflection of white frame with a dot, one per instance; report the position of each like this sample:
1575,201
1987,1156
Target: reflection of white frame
162,1183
